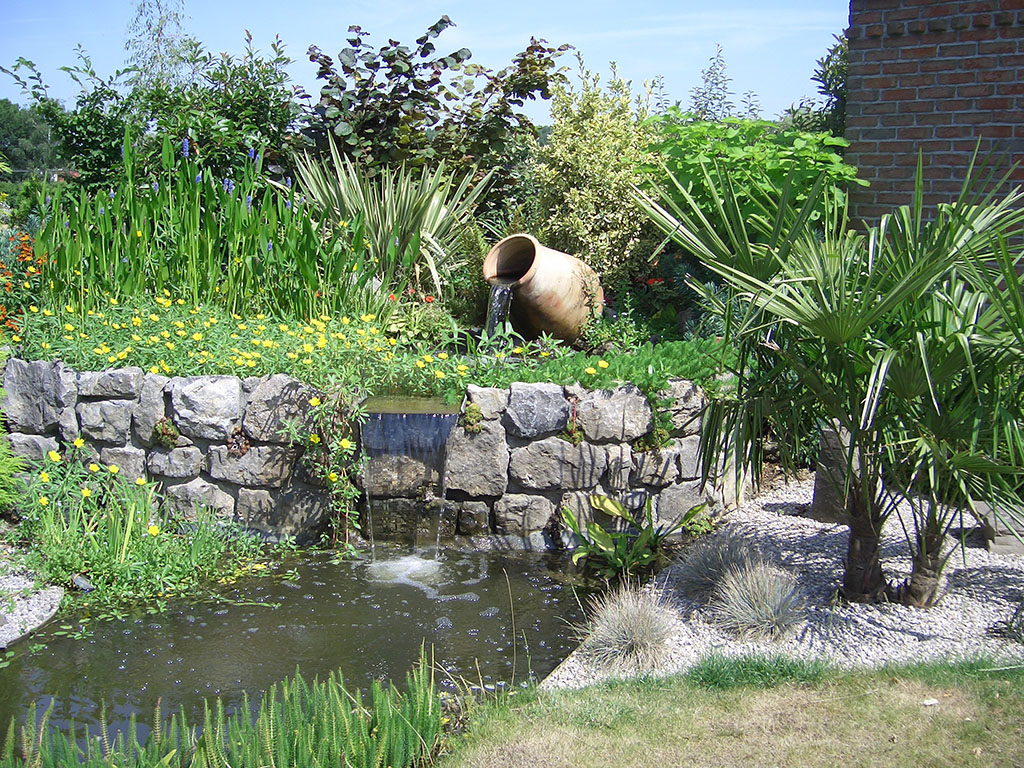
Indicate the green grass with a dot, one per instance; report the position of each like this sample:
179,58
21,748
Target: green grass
760,712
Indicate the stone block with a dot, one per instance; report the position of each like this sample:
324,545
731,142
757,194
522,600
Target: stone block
555,464
688,402
116,384
492,400
477,464
519,514
106,420
33,448
474,518
186,498
620,466
300,512
400,475
658,467
676,500
151,407
131,461
620,415
689,457
274,401
261,465
535,410
206,407
186,461
35,394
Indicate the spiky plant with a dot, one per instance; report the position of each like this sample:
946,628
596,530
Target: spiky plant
629,628
758,600
700,569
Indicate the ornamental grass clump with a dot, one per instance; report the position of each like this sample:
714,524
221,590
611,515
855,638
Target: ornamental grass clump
629,629
701,569
758,600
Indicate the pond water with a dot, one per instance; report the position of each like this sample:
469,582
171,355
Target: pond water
366,617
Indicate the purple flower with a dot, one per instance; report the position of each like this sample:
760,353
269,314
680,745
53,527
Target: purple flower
288,181
231,187
270,245
65,225
47,199
102,210
156,187
199,178
248,202
111,194
288,204
184,147
252,153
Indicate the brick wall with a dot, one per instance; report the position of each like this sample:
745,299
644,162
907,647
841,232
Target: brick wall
935,76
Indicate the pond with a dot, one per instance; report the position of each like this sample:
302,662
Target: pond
367,617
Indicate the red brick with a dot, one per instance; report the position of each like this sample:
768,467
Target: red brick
900,67
915,81
1011,89
951,131
978,62
883,81
937,92
932,10
974,91
957,78
935,118
967,35
918,52
956,50
916,106
995,103
998,47
899,94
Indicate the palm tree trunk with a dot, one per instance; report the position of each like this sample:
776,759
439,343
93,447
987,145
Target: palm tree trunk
863,581
922,588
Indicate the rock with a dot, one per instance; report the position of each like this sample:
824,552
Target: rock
255,509
185,498
578,502
106,420
117,384
535,410
492,400
676,500
274,401
151,408
130,460
519,514
553,464
474,517
399,475
32,447
207,407
67,425
410,520
268,465
689,457
249,383
619,415
35,394
658,467
477,464
178,462
828,504
300,512
688,402
620,465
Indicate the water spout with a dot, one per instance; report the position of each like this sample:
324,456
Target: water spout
497,307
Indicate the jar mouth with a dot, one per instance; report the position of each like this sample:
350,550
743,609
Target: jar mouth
511,261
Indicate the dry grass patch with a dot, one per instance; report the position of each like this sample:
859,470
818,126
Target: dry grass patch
865,719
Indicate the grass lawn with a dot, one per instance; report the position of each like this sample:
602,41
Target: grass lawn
760,713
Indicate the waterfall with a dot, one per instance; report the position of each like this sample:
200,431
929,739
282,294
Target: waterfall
497,307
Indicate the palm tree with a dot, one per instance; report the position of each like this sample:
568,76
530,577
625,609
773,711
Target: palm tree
833,320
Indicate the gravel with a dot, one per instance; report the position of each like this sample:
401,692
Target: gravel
980,592
24,605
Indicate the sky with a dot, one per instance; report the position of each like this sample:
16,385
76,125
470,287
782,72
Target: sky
770,46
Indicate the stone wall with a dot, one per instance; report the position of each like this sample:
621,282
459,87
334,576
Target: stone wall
507,479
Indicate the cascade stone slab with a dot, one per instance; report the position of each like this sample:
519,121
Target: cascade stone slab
274,401
478,463
299,512
536,409
492,400
255,508
689,457
151,407
187,497
207,407
268,465
519,514
553,464
186,461
399,475
106,420
620,415
116,384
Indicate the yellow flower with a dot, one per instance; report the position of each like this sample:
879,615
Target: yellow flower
44,477
48,313
332,477
345,443
54,457
602,363
428,359
154,369
43,501
94,467
33,308
113,469
345,321
140,481
545,354
439,374
314,439
68,327
138,233
86,493
420,364
16,337
442,356
589,370
79,442
461,368
307,348
314,401
154,317
517,350
153,530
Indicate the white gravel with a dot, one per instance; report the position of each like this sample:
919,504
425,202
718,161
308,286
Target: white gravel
981,590
24,604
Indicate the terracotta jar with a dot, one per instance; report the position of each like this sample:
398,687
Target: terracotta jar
552,292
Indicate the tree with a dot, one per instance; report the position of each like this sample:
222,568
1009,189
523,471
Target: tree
158,46
877,336
25,141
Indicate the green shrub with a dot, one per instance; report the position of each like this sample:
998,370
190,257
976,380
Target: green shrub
628,628
758,600
584,173
298,724
12,489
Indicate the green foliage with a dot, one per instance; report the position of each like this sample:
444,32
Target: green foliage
466,293
628,628
721,673
208,239
11,486
78,517
25,142
830,75
583,176
470,419
409,220
298,724
711,100
166,433
634,549
410,105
